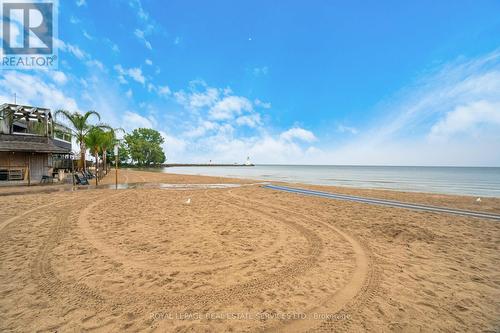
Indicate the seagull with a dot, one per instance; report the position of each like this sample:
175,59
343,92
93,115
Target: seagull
188,201
478,200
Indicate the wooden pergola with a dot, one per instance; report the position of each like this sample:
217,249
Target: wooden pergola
15,114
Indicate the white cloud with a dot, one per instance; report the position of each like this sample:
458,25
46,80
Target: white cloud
299,134
200,130
121,74
132,120
133,73
59,77
79,54
273,150
81,3
448,117
74,20
229,107
258,71
251,120
466,119
148,62
164,91
73,49
141,13
129,93
96,64
141,35
223,146
104,95
213,128
347,129
136,74
111,45
264,105
173,146
87,35
147,25
122,79
436,94
196,100
35,90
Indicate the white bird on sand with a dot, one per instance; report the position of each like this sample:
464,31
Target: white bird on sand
478,200
188,201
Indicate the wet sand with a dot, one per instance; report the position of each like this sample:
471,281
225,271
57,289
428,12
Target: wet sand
243,259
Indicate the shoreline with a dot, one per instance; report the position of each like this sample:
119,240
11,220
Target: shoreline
469,181
487,204
468,202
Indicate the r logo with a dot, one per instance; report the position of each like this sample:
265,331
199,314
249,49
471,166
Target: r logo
28,28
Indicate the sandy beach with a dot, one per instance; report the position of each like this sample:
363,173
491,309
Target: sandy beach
243,258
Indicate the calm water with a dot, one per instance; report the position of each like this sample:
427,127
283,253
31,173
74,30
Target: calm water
450,180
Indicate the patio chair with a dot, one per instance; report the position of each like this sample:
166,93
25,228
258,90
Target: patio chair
81,181
46,179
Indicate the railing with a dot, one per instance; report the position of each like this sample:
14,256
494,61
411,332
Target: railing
62,164
13,173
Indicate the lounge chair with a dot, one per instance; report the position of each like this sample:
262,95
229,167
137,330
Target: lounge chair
46,179
81,181
89,174
84,175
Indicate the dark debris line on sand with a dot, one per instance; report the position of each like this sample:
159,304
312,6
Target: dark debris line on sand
383,202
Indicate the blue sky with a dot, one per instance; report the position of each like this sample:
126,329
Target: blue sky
316,82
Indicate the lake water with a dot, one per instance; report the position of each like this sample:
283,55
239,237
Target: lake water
476,181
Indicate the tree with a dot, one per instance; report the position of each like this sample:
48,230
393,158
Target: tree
95,139
81,128
144,146
123,153
109,140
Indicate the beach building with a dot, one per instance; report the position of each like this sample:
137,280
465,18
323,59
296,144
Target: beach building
33,147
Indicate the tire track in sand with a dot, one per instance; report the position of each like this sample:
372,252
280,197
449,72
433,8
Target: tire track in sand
126,260
360,289
82,295
43,274
5,223
41,271
255,286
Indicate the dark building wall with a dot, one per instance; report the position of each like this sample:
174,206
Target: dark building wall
40,164
62,144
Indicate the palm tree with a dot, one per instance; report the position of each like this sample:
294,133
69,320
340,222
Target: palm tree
109,140
81,128
94,141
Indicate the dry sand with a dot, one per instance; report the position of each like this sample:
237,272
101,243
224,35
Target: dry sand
243,259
